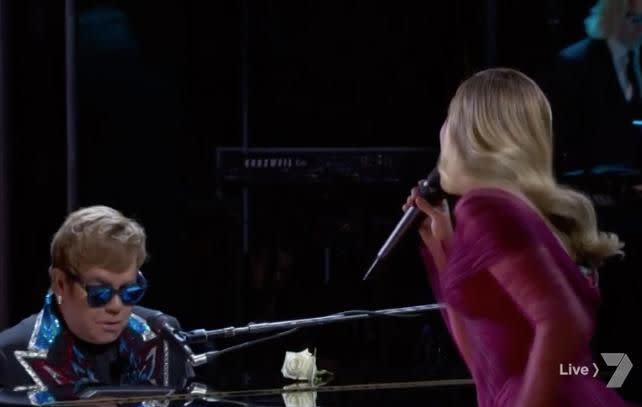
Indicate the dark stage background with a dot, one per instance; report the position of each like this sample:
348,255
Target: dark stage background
162,84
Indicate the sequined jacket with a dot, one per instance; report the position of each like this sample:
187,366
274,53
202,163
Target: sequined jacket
40,353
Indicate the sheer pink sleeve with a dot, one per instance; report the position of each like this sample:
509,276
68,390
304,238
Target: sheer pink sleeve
434,254
507,239
432,273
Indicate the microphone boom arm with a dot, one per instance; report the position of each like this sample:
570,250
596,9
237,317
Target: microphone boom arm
203,336
200,335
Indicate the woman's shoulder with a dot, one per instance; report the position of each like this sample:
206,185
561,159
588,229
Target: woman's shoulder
498,219
494,202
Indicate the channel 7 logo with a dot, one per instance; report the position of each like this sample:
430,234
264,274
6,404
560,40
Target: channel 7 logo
622,370
621,362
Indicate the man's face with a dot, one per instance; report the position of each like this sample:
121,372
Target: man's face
97,325
632,28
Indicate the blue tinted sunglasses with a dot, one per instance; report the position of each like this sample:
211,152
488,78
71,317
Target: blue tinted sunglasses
99,295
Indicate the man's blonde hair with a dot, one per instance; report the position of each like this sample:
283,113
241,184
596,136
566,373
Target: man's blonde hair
98,236
500,129
605,18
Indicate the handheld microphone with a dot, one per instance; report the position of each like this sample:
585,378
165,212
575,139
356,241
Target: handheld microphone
430,190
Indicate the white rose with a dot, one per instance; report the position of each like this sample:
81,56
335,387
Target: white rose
299,366
300,398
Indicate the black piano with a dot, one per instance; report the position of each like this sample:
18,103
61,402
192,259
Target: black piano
280,375
441,392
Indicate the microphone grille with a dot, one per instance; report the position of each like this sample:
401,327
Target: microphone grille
430,188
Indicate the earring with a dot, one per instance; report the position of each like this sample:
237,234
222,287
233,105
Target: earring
59,299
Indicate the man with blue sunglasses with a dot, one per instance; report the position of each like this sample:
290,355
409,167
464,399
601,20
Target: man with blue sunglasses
91,329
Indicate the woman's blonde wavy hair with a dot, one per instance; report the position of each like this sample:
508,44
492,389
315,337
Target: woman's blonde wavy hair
500,129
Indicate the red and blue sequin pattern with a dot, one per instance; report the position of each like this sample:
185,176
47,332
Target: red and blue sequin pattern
53,360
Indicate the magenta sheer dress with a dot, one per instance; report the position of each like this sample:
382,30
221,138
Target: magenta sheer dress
504,278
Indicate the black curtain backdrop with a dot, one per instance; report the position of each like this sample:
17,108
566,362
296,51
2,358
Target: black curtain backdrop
4,167
160,86
34,143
